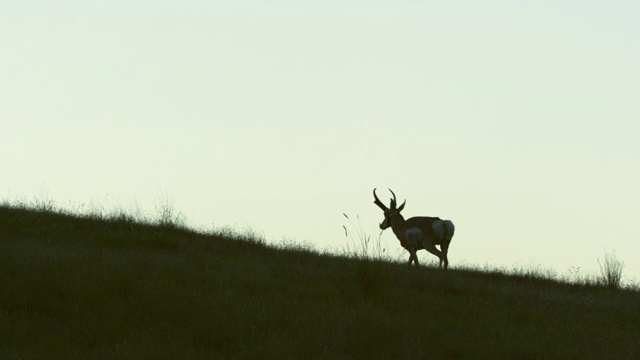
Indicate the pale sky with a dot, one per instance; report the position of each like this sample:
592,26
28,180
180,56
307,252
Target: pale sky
518,120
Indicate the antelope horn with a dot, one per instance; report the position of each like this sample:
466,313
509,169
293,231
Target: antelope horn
378,202
394,201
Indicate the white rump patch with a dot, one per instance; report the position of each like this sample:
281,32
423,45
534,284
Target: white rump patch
450,227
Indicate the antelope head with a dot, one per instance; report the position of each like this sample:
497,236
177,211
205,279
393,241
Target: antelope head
391,213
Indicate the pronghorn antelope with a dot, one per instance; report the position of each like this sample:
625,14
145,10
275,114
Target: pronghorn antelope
418,232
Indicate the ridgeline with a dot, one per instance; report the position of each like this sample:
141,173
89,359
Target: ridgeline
99,287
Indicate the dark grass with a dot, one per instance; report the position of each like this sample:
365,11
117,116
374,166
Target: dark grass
99,287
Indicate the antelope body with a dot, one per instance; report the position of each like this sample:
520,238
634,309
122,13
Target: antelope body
418,232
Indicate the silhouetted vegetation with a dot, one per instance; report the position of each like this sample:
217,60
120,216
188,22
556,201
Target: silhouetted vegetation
112,286
611,270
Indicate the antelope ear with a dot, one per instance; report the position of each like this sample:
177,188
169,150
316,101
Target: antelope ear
402,206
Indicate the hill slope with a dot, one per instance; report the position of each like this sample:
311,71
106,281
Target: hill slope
74,287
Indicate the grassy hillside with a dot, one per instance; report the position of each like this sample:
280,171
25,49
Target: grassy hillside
94,288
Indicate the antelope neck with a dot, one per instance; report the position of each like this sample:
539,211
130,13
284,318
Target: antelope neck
396,224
